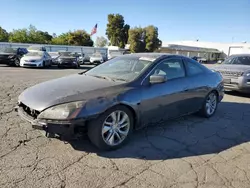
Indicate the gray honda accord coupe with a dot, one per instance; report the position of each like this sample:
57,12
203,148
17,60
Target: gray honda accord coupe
121,95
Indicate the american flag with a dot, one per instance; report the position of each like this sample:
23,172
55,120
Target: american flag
94,30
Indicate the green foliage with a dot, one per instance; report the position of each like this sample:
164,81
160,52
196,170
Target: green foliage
116,31
119,34
135,40
101,42
62,39
152,42
30,35
77,38
81,38
144,39
4,36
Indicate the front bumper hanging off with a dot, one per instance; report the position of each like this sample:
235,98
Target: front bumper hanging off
64,129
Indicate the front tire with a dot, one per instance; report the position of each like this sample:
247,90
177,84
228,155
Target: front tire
210,105
44,64
111,129
17,62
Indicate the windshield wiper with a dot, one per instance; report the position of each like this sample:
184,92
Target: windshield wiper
102,77
120,79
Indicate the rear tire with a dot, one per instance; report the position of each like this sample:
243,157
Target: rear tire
112,129
210,105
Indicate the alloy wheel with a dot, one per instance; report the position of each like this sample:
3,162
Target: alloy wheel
211,103
115,128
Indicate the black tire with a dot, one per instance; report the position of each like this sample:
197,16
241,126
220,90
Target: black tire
95,128
204,112
17,62
44,64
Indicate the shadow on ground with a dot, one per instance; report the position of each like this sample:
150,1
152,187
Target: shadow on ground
235,93
186,136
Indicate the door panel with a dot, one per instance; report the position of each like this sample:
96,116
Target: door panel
197,89
163,101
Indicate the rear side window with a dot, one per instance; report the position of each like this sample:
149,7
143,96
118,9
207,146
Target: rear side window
192,67
243,60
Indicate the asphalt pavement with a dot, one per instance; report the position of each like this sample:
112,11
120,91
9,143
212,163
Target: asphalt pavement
189,152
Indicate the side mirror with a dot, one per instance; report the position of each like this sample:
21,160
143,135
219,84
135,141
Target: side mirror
155,79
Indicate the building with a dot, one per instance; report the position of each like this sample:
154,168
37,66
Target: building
210,50
209,54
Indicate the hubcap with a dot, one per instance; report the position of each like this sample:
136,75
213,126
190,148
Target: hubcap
17,62
115,128
211,103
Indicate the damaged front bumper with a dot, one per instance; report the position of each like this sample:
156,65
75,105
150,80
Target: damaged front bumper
64,129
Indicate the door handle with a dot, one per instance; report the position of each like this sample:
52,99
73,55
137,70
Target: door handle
185,89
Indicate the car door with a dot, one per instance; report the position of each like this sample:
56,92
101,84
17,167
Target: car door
196,88
166,100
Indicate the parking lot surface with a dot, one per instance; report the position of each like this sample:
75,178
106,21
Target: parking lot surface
189,152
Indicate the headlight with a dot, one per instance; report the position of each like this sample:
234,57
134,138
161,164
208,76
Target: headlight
11,56
63,111
247,73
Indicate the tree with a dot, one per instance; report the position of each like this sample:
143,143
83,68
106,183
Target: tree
144,39
30,35
78,38
4,36
19,35
116,31
62,39
152,42
101,42
135,40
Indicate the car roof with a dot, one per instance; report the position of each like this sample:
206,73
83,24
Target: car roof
240,55
150,55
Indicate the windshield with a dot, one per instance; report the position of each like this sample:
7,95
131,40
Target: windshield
8,50
120,68
69,54
34,54
96,55
242,60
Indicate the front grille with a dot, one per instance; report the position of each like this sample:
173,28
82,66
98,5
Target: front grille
31,112
234,74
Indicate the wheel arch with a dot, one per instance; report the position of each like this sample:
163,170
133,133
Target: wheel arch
133,111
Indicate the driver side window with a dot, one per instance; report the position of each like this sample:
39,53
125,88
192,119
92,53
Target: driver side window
172,68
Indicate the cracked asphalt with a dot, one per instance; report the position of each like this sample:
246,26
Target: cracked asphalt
189,152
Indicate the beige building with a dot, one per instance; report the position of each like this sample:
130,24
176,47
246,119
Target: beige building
209,50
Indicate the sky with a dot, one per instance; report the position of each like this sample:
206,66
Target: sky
177,20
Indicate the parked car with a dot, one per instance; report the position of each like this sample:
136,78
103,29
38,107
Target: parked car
36,58
11,56
67,59
37,48
120,95
54,57
236,72
96,58
200,59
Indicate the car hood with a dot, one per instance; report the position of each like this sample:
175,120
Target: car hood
6,54
31,58
66,57
66,89
96,57
238,68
